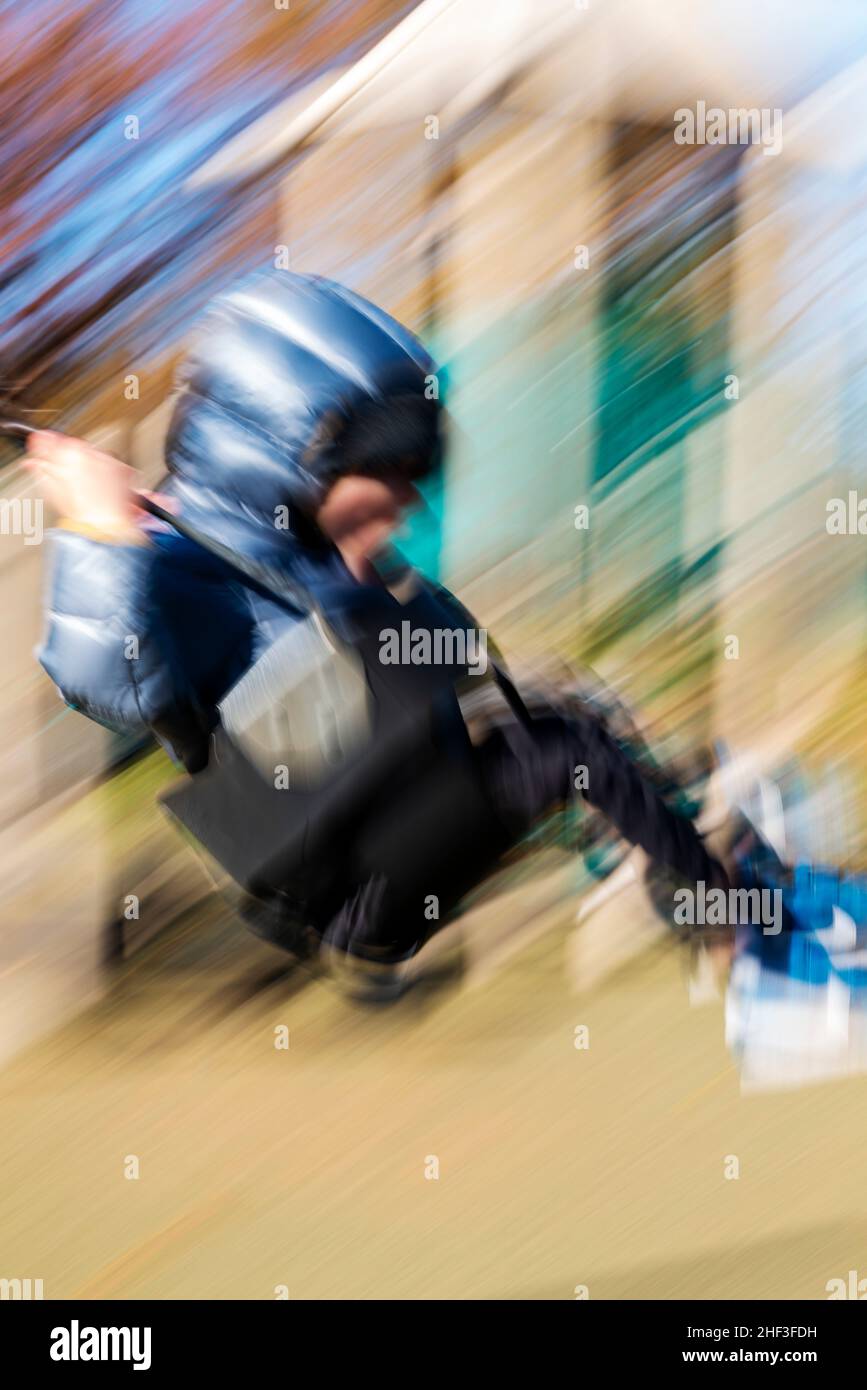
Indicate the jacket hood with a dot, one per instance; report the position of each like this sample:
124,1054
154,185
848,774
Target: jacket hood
277,362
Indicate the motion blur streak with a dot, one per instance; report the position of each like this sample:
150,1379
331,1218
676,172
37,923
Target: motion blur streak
655,357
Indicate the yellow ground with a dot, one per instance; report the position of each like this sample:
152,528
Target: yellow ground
306,1167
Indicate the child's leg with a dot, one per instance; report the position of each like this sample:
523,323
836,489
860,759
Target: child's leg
529,770
436,843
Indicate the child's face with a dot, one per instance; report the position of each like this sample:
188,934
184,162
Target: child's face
360,514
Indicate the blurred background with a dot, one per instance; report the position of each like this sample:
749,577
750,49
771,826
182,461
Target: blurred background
673,336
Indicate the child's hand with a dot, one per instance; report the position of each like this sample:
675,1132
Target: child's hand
89,488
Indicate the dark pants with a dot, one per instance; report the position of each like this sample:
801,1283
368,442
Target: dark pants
520,774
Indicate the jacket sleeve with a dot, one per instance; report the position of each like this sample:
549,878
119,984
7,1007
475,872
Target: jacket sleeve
139,636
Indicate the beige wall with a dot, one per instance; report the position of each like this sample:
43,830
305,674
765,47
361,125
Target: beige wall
790,592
